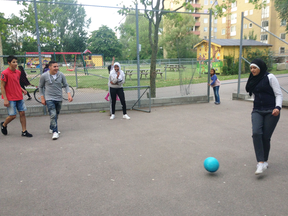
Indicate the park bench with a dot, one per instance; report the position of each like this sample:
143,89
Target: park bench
158,71
130,72
175,67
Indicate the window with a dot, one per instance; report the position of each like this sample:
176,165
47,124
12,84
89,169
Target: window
205,29
283,22
205,37
251,12
205,10
211,2
246,1
233,31
282,36
250,25
282,49
264,37
265,12
205,2
265,23
223,10
266,1
205,20
223,32
224,20
234,6
245,26
246,13
215,29
215,21
234,18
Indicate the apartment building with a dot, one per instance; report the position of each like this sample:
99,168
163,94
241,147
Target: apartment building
229,26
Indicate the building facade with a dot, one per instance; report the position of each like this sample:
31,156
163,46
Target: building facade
229,26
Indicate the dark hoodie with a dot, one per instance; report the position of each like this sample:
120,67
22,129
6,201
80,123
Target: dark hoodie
265,87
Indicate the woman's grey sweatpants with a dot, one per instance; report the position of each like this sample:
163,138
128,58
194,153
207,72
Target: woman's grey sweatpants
263,125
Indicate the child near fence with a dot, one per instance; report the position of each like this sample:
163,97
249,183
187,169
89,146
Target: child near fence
109,69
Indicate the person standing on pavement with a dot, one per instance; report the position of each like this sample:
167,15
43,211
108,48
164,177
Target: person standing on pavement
215,84
266,110
13,97
52,81
116,80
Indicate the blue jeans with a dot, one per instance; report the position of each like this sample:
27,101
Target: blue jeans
54,108
216,94
263,125
19,105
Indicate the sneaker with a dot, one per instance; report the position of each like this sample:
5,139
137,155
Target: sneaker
26,134
29,98
260,168
126,116
3,129
112,116
266,164
55,136
51,131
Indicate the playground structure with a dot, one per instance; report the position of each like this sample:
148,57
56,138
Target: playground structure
87,59
33,61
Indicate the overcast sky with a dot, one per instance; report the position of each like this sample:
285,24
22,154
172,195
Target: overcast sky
99,15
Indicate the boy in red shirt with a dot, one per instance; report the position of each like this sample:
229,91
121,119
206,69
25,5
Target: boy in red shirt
13,97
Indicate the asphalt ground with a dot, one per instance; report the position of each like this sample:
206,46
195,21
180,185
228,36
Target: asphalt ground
149,165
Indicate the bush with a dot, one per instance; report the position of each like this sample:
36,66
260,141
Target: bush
230,66
265,55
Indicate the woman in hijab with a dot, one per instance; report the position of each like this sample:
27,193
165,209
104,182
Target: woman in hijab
115,84
266,110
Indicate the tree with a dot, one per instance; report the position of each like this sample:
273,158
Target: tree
251,36
104,41
154,11
6,25
62,27
128,37
178,39
281,8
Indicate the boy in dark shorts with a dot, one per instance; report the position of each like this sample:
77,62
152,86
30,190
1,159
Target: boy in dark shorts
13,97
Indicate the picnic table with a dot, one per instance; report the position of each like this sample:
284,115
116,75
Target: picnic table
130,72
175,67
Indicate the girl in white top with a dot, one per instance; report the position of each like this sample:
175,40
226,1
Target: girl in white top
115,84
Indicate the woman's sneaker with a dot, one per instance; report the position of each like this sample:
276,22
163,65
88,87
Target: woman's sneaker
266,164
112,116
126,116
260,168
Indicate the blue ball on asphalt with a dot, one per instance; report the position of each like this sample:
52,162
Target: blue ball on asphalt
211,164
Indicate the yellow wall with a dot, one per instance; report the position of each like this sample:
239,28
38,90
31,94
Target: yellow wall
202,49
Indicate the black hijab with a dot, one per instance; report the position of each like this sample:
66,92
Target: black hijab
254,80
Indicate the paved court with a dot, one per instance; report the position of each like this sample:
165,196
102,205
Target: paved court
151,165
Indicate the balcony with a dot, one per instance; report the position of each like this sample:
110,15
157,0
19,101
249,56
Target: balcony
196,5
196,15
197,24
196,32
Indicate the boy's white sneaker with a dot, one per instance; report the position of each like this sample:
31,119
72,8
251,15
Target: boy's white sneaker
260,168
55,136
51,131
126,116
112,116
